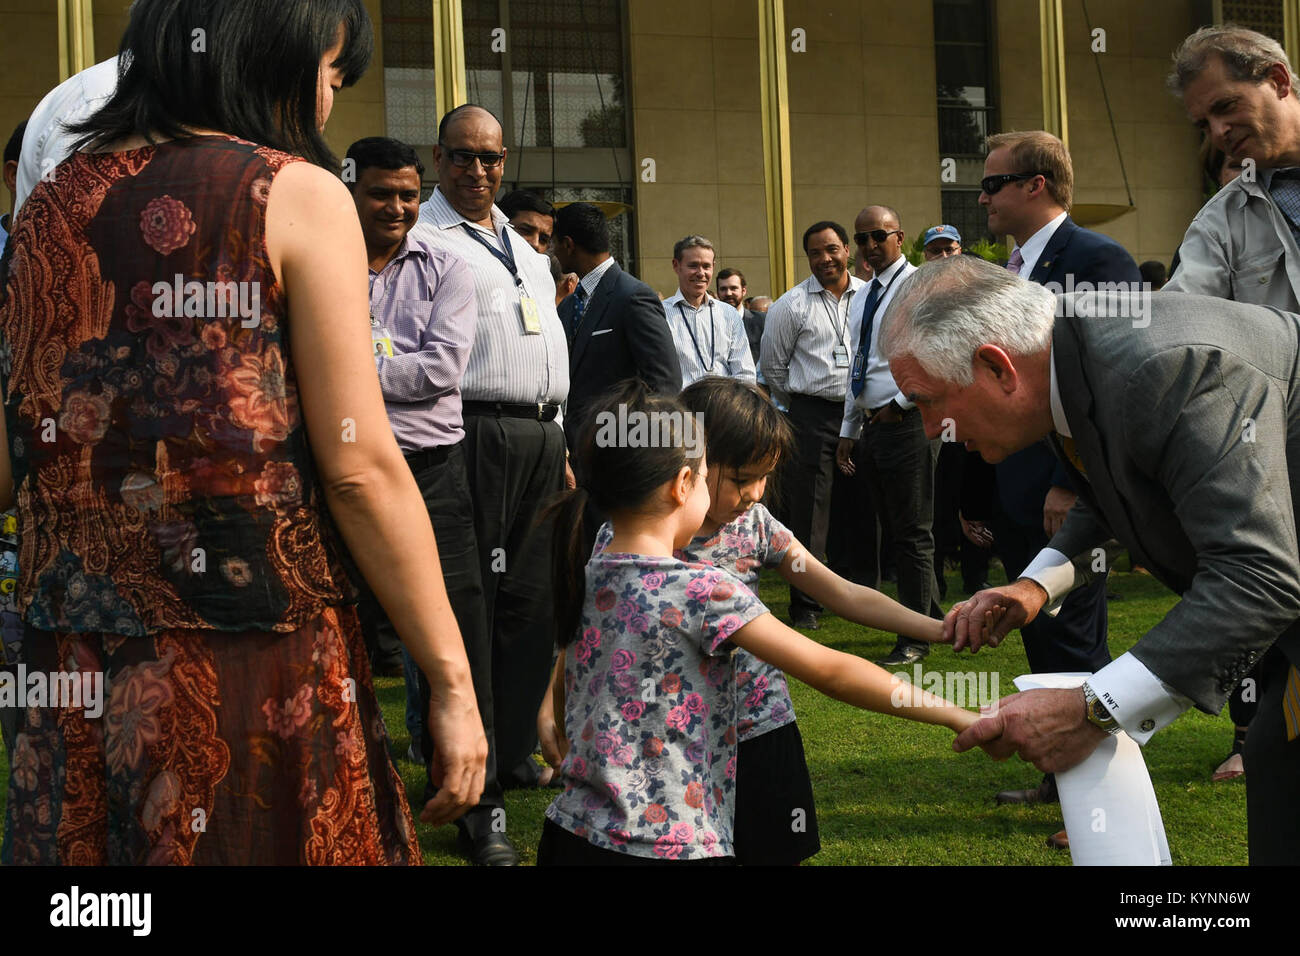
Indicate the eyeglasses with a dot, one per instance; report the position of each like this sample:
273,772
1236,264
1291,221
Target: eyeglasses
464,158
877,235
993,184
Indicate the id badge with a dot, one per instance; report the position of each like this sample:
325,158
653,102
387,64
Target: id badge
859,366
841,356
532,317
381,342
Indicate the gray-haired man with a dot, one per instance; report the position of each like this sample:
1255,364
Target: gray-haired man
1238,86
1180,417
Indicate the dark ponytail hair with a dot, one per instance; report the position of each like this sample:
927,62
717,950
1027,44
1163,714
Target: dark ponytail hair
743,428
615,476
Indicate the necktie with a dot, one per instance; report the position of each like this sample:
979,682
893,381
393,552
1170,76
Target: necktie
859,381
1072,453
1016,261
579,306
1291,703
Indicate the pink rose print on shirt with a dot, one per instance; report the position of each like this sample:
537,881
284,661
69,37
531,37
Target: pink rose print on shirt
606,742
638,623
605,599
700,587
622,660
678,718
722,591
653,581
780,541
670,617
633,710
166,224
696,705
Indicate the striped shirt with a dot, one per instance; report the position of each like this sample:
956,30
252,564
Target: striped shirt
710,340
422,302
592,278
803,331
506,364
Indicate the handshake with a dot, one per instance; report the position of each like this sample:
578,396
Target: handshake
1048,728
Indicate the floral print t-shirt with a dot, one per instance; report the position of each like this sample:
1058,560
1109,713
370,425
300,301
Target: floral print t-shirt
754,540
650,708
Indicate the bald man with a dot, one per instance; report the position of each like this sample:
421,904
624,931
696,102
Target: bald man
517,376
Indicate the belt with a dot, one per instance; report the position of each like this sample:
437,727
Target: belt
539,412
428,457
905,411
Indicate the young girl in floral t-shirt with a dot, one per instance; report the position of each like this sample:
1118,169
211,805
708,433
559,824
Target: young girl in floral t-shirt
648,693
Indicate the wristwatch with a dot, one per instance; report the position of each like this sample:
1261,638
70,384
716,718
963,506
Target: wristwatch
1097,713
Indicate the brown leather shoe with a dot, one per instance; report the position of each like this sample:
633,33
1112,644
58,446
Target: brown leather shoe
1059,840
1045,792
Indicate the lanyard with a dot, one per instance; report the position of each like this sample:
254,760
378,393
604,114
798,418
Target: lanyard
841,332
713,336
507,259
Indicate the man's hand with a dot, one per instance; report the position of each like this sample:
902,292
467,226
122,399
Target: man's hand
965,624
976,532
891,414
459,764
1056,506
1048,728
844,456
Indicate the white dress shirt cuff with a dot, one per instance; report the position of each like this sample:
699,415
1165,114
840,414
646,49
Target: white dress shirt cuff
1055,572
849,430
1139,701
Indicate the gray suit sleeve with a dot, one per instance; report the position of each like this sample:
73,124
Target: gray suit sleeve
1210,430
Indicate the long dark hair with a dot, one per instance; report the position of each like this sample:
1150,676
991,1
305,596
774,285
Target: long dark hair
614,476
245,67
742,428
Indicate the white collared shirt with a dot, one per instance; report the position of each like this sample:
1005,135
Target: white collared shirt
1138,700
592,278
804,331
506,364
1035,244
880,387
710,340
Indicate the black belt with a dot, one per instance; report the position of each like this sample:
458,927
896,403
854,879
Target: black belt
540,412
428,457
906,411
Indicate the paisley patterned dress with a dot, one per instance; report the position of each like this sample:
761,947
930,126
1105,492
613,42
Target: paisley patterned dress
175,547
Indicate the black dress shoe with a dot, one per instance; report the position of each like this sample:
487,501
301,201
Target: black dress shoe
488,849
1045,792
903,654
804,620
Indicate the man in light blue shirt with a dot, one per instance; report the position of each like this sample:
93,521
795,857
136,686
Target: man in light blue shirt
709,334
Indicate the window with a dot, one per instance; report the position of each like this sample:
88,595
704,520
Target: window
964,87
410,105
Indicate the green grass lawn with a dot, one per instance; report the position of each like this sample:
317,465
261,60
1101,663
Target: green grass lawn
892,792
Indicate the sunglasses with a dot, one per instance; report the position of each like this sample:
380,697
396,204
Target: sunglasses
464,158
877,235
993,184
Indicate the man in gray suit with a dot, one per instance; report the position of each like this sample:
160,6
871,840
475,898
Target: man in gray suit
1180,417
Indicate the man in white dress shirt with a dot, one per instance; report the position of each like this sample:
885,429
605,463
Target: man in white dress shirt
709,334
805,360
517,376
899,459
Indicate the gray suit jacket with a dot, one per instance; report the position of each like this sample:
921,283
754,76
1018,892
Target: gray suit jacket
1189,431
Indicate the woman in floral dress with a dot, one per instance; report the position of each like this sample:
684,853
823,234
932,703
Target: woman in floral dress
175,537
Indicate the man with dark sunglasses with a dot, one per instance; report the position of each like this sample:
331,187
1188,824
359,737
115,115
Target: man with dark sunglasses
895,461
515,380
1027,191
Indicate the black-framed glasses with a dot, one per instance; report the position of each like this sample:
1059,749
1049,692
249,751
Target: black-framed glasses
993,184
464,158
877,235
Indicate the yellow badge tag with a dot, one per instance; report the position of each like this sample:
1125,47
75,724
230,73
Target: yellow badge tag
532,317
382,343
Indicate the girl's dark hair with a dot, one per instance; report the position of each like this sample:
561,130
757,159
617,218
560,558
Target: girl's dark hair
245,67
615,475
742,427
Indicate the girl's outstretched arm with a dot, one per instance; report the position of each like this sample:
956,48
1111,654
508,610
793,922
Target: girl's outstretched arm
853,602
550,718
846,677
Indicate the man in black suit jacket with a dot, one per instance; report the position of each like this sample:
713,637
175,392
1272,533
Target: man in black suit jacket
614,321
1028,189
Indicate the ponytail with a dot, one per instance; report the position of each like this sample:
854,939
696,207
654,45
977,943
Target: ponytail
569,558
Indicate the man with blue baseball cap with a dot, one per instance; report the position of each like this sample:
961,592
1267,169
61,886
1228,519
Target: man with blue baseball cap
940,242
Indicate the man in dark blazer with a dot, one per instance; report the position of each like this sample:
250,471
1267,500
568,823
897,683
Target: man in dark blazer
614,321
1029,182
1178,417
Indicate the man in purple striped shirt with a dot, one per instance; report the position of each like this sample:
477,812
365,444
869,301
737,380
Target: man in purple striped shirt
422,320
